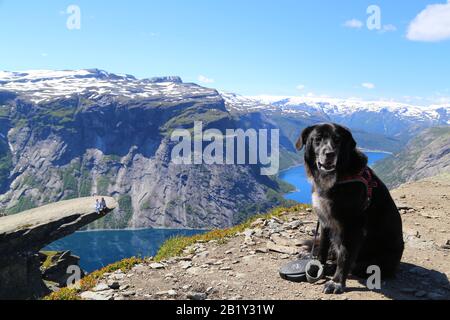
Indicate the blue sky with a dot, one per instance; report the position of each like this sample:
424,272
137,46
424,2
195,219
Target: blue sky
283,47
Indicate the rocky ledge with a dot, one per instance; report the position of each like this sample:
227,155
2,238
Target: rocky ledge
23,235
245,266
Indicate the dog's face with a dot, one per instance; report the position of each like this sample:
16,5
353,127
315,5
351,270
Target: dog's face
327,147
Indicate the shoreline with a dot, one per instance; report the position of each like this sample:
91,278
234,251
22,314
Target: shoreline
142,229
377,151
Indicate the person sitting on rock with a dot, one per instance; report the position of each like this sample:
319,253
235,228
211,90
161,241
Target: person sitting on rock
98,206
103,205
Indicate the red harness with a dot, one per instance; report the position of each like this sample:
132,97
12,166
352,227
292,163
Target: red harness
366,177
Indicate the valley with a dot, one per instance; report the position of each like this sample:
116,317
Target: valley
69,134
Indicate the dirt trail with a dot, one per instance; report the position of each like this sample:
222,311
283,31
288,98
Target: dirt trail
244,267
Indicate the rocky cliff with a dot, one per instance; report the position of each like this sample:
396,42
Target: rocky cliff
23,235
71,134
427,155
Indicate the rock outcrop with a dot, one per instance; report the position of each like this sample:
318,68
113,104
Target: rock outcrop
23,235
54,267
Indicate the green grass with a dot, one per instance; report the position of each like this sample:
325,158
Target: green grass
69,180
30,182
112,158
91,280
49,260
5,168
175,246
24,203
125,205
5,111
189,116
54,117
84,184
103,184
146,205
77,181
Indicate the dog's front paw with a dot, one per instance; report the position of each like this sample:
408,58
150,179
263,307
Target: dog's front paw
332,287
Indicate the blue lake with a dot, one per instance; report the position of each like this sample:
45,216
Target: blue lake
297,177
100,248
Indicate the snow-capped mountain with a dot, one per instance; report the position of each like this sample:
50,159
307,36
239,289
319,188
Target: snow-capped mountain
390,119
45,85
238,103
380,117
342,107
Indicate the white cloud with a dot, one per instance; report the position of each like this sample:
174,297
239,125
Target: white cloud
301,87
353,23
368,85
432,24
44,54
204,79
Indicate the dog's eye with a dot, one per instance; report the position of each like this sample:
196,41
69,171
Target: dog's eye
336,140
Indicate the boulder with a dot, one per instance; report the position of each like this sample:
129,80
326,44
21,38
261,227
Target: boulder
23,235
54,266
282,249
97,296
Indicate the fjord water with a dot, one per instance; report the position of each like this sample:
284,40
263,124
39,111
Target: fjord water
100,248
297,177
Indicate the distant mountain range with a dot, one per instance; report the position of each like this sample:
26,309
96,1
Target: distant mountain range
67,134
377,125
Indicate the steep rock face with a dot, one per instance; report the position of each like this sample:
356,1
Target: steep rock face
24,234
427,155
73,134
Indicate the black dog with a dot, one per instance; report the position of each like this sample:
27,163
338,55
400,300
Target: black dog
359,219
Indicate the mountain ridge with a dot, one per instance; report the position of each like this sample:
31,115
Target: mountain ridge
63,137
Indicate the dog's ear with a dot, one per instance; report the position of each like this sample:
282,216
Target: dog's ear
348,137
354,159
304,138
